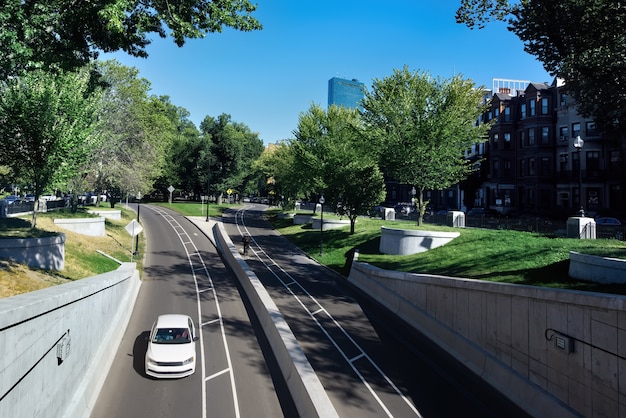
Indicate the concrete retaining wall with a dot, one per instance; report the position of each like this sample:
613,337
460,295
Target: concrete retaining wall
57,343
299,219
306,390
412,241
556,353
44,253
329,223
107,213
93,227
596,269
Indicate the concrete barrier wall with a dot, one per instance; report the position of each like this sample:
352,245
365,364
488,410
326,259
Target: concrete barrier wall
556,353
57,343
43,253
596,269
412,241
107,213
329,223
307,392
93,227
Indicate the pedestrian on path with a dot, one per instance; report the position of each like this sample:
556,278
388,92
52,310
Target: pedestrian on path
246,243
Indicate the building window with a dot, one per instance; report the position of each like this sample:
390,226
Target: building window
522,168
545,135
506,168
590,129
546,167
523,110
616,161
563,99
494,140
575,129
495,169
531,137
507,114
563,157
544,106
531,167
592,160
507,140
563,133
532,107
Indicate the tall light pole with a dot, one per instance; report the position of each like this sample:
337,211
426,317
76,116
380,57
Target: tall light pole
322,200
578,144
208,184
138,207
413,205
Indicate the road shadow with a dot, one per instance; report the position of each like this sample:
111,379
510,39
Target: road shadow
139,353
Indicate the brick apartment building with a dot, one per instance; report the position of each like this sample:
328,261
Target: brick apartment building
542,156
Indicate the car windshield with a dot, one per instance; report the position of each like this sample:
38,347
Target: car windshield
171,336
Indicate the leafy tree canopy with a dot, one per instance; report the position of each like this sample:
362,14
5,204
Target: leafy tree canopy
63,34
422,127
47,124
581,42
332,153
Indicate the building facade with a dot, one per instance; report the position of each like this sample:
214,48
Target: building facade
543,158
346,93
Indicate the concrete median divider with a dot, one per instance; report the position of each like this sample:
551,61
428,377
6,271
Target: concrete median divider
307,392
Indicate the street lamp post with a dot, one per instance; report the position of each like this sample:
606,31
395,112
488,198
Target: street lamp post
322,200
413,193
208,184
138,206
578,144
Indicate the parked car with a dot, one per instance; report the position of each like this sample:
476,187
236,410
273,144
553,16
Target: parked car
11,199
607,221
171,349
476,212
29,198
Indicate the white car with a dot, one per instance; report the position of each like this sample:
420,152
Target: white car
171,349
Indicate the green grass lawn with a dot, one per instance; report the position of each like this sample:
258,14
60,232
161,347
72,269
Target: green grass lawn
497,255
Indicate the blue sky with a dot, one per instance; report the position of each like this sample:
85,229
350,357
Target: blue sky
266,78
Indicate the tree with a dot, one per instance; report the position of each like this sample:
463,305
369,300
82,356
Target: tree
276,164
47,123
66,35
581,42
136,134
234,147
331,151
422,126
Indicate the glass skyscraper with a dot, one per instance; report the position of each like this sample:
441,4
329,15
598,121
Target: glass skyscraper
346,93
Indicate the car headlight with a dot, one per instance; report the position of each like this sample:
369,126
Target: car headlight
189,360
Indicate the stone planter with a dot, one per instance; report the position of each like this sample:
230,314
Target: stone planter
597,269
93,227
44,253
108,214
410,241
299,219
329,223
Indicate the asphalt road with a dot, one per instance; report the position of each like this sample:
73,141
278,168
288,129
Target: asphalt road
370,364
184,274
